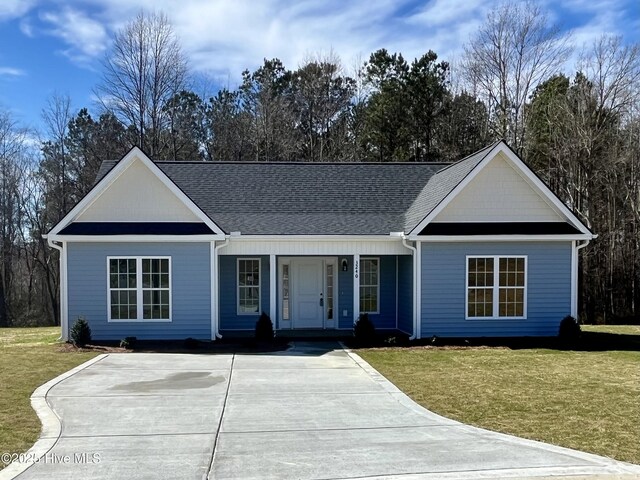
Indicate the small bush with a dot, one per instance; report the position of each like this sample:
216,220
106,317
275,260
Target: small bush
80,333
364,331
569,331
264,328
191,343
128,342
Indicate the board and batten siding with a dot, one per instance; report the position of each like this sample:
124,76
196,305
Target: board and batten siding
190,290
228,289
444,289
345,294
405,293
385,319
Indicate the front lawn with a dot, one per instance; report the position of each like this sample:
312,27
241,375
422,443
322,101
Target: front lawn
587,400
29,357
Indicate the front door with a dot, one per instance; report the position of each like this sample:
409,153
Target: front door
307,293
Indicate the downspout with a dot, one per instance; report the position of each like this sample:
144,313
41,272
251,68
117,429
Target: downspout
575,284
215,290
415,283
64,327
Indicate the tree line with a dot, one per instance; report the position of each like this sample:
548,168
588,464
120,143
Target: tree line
579,132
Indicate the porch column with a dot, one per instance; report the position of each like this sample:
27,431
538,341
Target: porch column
356,286
272,288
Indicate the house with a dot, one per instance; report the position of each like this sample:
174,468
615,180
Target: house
171,250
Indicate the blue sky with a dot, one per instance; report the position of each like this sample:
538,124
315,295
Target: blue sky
49,46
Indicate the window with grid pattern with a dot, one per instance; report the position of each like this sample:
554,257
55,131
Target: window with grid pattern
496,287
139,288
369,285
248,285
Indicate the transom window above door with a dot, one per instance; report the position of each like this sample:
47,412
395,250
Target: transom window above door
139,289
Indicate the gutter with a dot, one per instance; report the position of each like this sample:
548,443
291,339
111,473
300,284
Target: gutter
214,285
414,254
64,327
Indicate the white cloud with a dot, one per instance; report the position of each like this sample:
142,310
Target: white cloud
11,72
86,37
10,9
223,37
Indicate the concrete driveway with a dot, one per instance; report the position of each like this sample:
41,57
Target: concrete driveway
313,412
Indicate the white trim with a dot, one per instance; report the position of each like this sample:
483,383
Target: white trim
134,238
335,321
215,289
213,283
315,238
272,288
114,173
238,312
414,255
498,238
524,171
356,287
377,259
139,290
283,324
496,288
574,280
397,311
418,325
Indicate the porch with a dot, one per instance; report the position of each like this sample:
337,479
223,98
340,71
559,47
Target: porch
315,295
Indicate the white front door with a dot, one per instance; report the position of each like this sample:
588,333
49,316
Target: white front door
307,293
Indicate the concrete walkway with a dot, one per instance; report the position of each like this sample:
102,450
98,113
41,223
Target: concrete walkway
313,412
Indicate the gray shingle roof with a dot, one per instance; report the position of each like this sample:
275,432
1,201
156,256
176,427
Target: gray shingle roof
440,185
316,198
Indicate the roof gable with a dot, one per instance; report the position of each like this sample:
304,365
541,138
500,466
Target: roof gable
499,193
135,190
137,195
481,196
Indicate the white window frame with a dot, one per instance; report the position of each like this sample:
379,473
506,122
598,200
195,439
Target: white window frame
496,288
362,259
139,289
238,260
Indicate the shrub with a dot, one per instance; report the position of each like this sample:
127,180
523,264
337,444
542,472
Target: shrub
569,331
264,328
80,332
128,342
364,331
191,343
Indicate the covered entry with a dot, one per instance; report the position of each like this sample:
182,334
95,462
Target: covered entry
307,289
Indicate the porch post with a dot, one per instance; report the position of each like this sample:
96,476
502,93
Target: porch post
574,280
272,288
356,286
64,295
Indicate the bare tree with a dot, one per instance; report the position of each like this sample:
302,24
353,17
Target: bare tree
144,69
56,116
13,141
512,52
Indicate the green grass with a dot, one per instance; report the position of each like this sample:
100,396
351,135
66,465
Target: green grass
617,329
29,357
587,400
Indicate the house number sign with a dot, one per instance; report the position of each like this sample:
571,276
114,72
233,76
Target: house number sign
356,269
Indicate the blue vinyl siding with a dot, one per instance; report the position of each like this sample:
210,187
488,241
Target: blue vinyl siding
405,293
345,293
386,316
444,289
228,271
190,290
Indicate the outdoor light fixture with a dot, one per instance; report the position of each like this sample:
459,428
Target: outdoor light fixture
345,265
